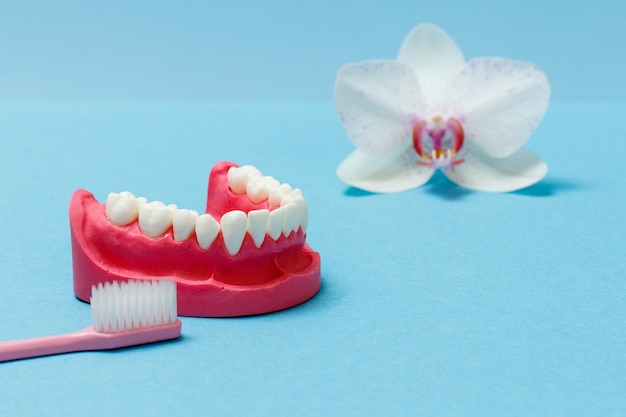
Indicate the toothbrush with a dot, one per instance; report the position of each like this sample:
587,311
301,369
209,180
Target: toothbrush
123,314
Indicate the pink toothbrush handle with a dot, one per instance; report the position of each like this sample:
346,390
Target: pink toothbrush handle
86,339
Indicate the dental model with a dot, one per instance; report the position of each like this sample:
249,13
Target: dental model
246,255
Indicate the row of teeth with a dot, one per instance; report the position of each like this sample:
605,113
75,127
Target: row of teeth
259,188
155,218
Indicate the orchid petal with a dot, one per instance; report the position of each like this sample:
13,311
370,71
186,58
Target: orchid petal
393,172
481,172
436,60
501,101
376,101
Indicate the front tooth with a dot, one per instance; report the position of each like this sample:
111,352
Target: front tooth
207,229
121,208
184,223
296,197
257,225
234,227
154,218
277,194
291,218
275,223
303,212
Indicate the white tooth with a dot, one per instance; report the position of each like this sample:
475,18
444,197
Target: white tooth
303,212
258,188
142,200
121,208
271,181
172,207
293,196
207,229
154,218
251,170
257,225
234,227
277,194
296,197
184,223
291,218
237,180
275,222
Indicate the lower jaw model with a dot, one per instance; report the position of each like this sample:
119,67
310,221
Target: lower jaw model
246,255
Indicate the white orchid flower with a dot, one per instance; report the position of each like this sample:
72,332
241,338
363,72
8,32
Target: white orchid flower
430,110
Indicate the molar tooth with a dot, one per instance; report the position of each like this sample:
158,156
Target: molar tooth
292,218
293,196
257,225
154,218
238,177
275,222
237,180
278,193
251,170
234,227
271,181
184,223
257,189
121,208
207,229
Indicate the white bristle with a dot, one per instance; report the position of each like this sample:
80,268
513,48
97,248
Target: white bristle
118,307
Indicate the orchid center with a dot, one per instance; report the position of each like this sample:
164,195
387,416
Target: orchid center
438,142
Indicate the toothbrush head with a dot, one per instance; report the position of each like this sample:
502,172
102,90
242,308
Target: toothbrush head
123,306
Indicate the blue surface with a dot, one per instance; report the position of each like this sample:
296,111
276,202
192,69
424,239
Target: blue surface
286,50
437,301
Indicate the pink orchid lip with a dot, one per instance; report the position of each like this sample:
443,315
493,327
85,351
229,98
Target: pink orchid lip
211,283
423,133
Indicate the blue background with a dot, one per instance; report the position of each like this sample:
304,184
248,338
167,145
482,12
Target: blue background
286,50
438,301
